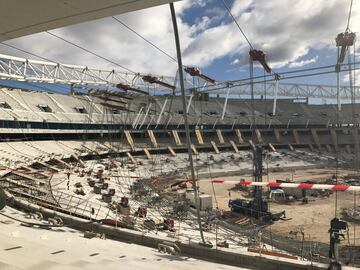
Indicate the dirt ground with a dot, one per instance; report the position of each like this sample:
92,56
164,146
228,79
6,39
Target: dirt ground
313,218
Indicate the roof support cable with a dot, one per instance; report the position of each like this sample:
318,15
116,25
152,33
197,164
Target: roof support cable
90,52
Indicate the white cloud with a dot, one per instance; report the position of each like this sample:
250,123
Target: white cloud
285,30
303,62
346,77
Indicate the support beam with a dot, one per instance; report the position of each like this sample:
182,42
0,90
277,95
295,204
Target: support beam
171,150
273,149
220,136
252,145
186,123
239,135
348,149
334,138
258,136
152,138
176,137
193,148
225,104
81,163
43,164
236,149
199,136
355,133
316,138
277,135
63,163
147,153
129,138
328,148
311,147
216,149
137,118
189,103
291,147
161,113
132,159
296,136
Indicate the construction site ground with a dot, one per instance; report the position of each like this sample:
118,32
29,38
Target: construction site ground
312,218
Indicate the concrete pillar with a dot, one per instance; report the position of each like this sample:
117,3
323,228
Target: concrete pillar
176,137
334,138
239,135
258,136
234,146
171,150
199,136
220,136
296,136
316,138
152,138
277,135
216,149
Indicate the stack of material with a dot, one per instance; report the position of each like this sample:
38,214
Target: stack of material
352,214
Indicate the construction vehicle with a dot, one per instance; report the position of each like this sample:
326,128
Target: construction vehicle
257,207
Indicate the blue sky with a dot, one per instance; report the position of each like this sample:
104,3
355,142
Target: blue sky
295,34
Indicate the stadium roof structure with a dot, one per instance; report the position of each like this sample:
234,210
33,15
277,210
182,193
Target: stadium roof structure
20,18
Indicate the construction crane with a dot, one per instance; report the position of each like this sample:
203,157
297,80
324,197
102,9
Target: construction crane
152,79
126,88
196,72
257,55
343,41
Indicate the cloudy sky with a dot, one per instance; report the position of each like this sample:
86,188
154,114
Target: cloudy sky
294,34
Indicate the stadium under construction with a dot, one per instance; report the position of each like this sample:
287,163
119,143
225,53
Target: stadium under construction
152,171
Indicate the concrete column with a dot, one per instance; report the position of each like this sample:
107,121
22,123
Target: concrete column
296,136
316,138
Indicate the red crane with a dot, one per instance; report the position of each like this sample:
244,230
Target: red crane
194,71
152,79
126,88
257,55
344,40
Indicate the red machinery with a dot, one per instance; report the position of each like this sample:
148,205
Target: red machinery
112,191
194,71
169,224
141,212
344,40
257,55
152,79
126,88
124,201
